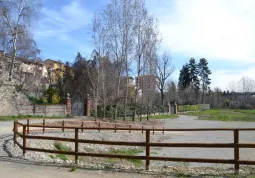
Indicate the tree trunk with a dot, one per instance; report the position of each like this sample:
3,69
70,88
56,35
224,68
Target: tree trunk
162,98
117,99
95,108
147,111
134,113
203,94
13,58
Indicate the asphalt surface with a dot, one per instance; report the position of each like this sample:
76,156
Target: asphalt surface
206,137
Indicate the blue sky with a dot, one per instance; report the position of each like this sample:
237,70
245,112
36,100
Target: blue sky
222,31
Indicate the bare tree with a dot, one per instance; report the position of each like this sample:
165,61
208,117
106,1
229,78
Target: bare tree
164,70
16,17
100,52
146,41
246,84
117,17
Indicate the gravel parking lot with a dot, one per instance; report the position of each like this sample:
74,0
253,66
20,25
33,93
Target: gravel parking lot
189,137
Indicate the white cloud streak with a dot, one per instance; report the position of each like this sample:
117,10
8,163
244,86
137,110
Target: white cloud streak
215,29
58,23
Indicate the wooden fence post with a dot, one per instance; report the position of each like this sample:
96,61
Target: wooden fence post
82,125
24,140
27,126
76,144
236,148
63,126
15,132
147,149
99,126
43,125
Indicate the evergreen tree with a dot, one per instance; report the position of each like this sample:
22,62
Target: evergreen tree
204,73
184,77
193,71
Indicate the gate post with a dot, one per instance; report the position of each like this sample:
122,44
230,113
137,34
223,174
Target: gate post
68,105
169,108
88,104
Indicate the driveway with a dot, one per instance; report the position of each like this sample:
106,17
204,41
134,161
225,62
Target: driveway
206,137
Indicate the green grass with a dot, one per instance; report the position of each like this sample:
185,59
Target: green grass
163,116
20,117
51,156
72,169
62,157
61,147
226,115
134,151
136,162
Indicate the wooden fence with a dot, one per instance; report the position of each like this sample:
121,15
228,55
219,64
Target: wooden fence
24,134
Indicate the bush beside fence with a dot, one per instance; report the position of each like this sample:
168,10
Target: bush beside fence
198,107
140,110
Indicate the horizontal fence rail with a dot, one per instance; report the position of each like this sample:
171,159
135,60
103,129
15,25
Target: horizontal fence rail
147,144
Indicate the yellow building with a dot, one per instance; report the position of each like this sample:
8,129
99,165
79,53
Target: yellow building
55,70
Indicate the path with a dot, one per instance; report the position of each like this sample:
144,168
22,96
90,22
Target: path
206,137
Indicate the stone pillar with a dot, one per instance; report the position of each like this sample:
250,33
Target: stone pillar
88,106
175,108
68,105
169,108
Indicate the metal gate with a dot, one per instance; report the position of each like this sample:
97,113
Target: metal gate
78,108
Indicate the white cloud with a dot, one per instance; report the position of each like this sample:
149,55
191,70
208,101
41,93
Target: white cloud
215,29
57,23
221,78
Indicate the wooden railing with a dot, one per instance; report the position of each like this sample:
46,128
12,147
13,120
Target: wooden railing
147,144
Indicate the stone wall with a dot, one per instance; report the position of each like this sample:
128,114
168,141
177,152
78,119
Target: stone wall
11,100
15,103
44,110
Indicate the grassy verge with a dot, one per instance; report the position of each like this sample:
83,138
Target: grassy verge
226,115
11,118
164,116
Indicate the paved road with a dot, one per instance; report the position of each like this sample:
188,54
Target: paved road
206,137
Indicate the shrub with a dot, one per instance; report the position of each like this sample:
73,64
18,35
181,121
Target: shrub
56,98
227,103
183,108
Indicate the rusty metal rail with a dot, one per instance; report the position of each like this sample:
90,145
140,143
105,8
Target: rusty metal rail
147,144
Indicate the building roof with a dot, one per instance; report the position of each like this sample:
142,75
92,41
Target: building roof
21,59
51,60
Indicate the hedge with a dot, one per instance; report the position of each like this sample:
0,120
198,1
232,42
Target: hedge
183,108
140,109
